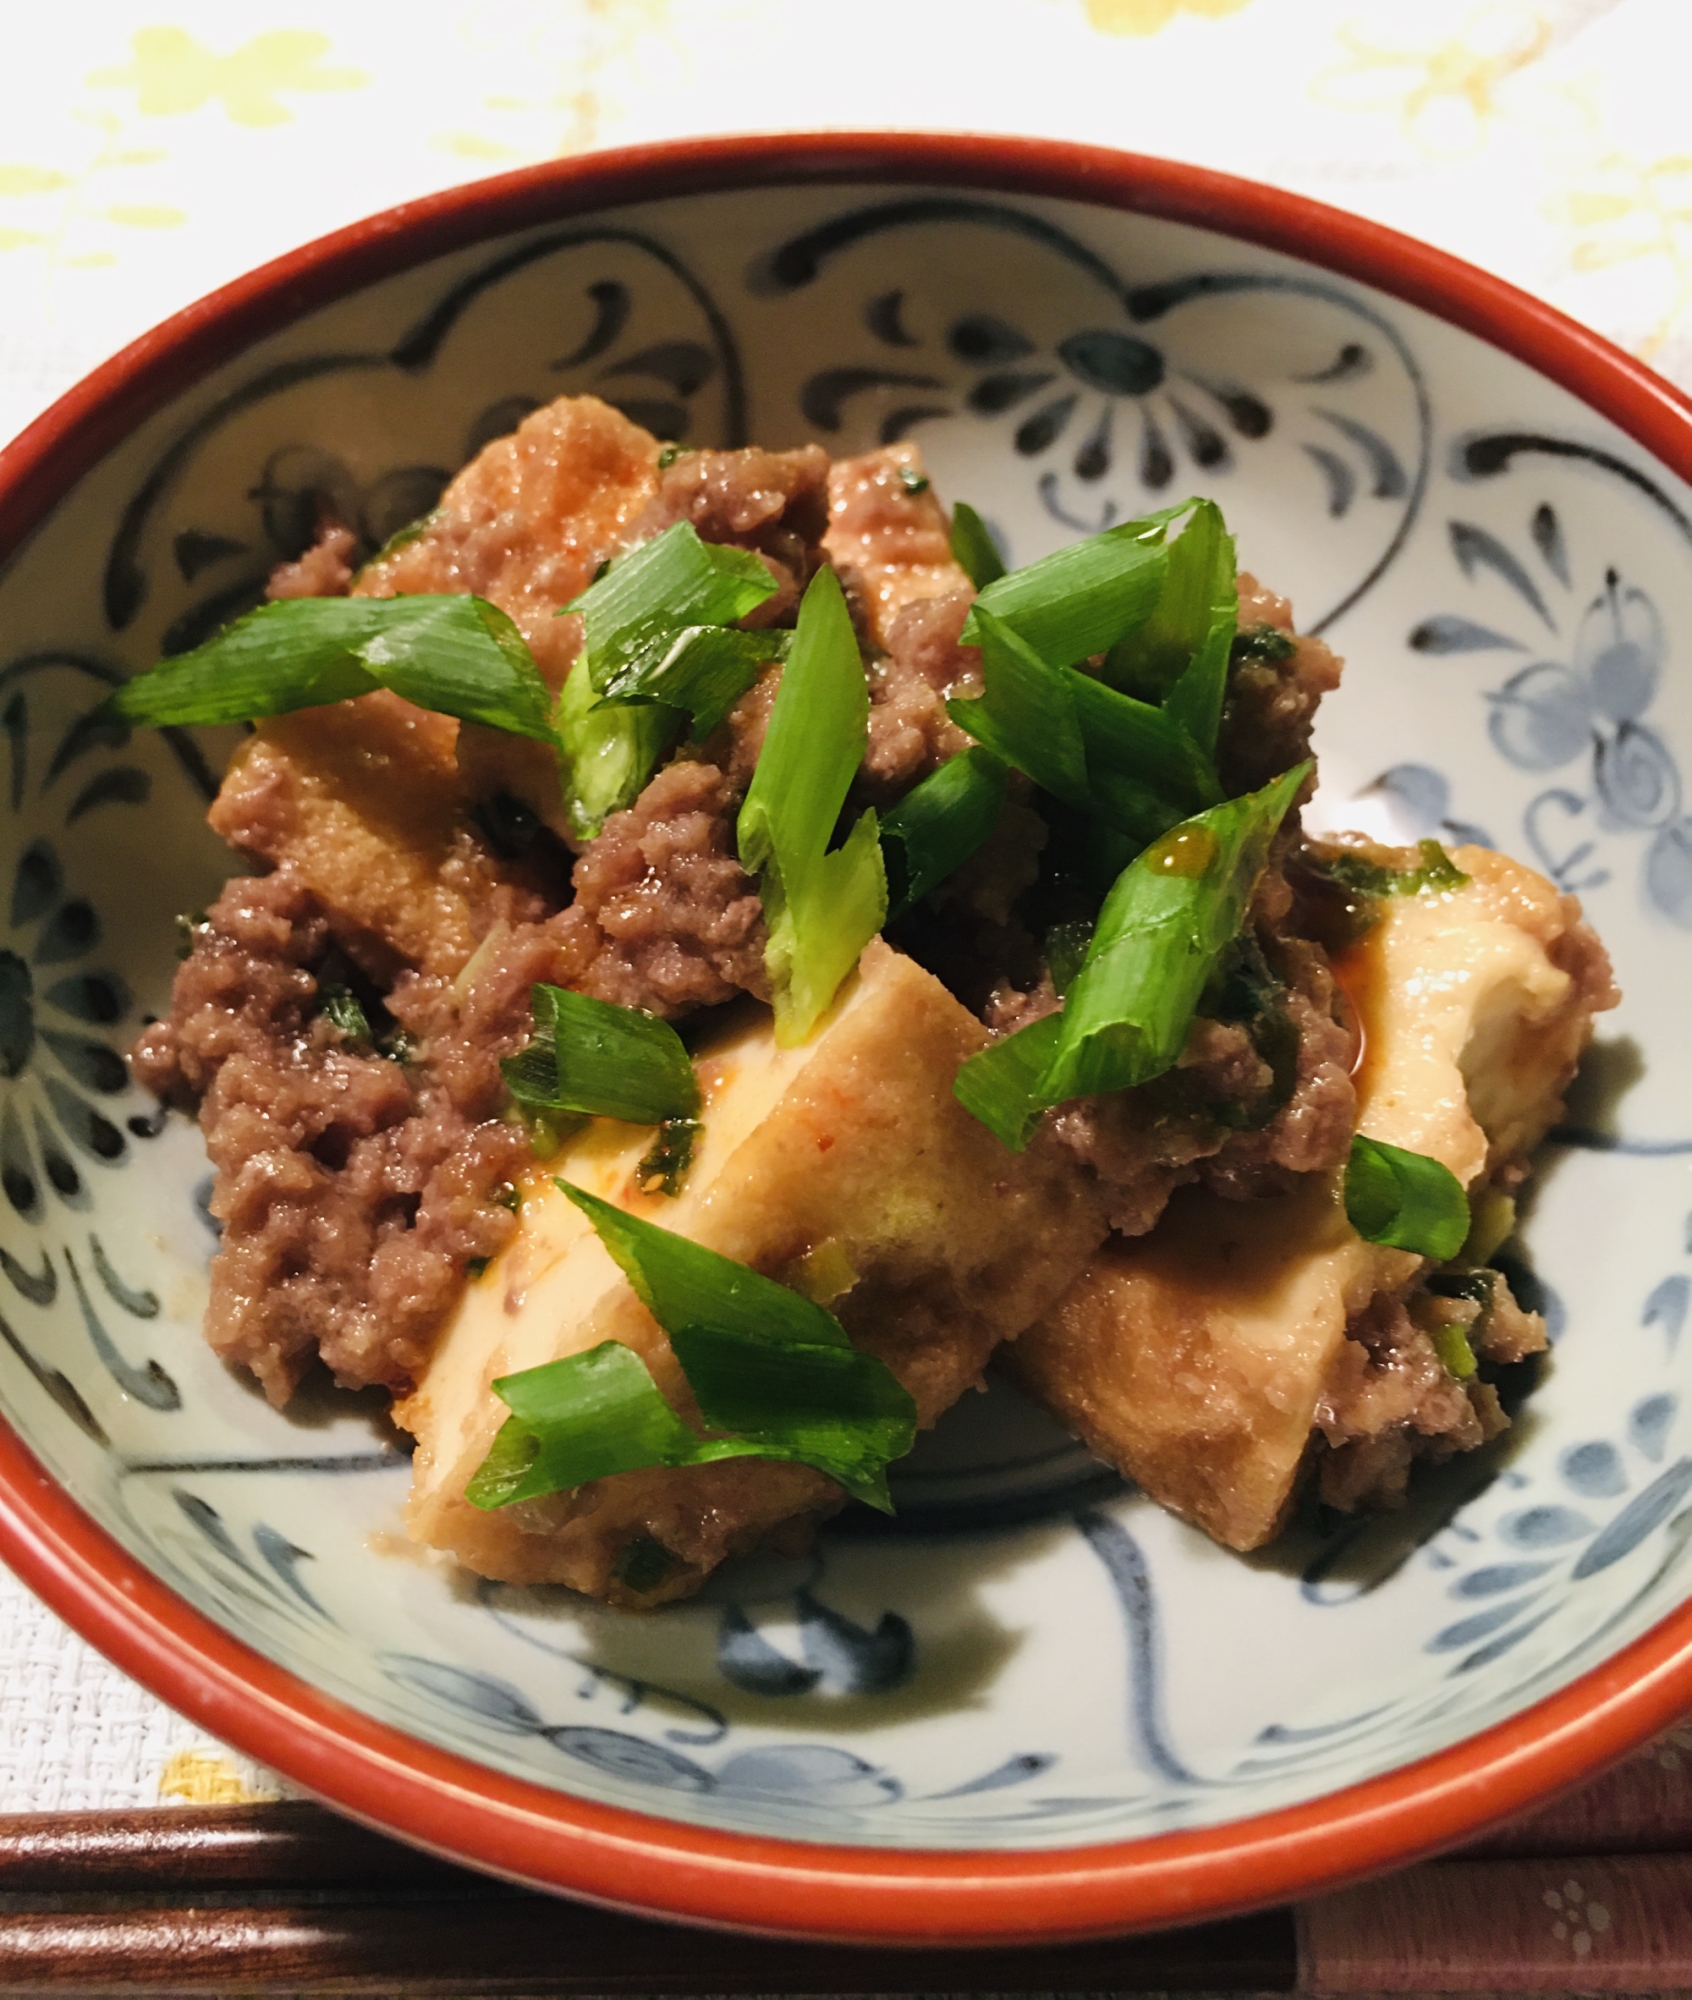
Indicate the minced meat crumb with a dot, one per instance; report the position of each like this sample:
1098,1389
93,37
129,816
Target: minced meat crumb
353,1186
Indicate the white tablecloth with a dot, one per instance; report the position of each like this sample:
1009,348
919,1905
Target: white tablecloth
149,153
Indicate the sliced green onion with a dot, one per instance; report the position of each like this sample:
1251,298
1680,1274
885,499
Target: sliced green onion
1172,913
1066,952
1101,751
831,1407
1026,712
684,1284
1405,1200
584,1417
1202,622
459,655
673,580
1179,656
1437,875
608,749
704,669
760,1360
1451,1342
611,1062
1165,924
973,548
1143,766
1004,1086
653,653
821,907
939,824
665,1164
1264,645
1083,599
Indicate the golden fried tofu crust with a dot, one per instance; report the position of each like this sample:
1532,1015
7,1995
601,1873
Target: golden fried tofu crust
888,536
360,802
845,1167
529,520
1200,1360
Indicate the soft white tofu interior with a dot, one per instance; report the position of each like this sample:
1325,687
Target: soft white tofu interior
1195,1359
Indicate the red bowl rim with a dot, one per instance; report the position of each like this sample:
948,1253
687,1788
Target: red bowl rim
638,1861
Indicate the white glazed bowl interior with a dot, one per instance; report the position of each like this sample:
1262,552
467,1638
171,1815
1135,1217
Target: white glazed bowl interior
1033,1656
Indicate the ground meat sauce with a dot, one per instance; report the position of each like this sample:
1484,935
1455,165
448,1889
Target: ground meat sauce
424,870
680,920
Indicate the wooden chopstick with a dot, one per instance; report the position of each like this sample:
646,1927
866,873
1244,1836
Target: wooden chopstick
290,1898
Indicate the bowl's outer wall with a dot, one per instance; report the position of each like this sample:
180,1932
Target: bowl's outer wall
631,1859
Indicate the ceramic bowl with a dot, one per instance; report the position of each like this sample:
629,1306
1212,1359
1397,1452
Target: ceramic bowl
1036,1706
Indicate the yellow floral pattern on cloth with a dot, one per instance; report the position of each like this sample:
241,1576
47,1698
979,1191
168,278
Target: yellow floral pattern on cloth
171,73
203,1777
1145,17
570,59
1443,89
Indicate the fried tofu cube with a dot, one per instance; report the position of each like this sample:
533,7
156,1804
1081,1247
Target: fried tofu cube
529,520
844,1167
1197,1360
887,535
362,801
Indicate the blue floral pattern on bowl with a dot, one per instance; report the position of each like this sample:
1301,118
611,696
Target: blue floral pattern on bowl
1031,1655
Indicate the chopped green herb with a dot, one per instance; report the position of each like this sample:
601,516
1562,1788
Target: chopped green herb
402,538
188,927
1244,990
1451,1340
760,1360
1098,750
1086,597
973,548
342,1009
548,1130
1437,875
459,655
642,1564
1263,643
831,1407
667,457
821,906
665,1166
608,749
1004,1086
1165,925
610,1062
1146,772
1151,659
912,480
1405,1200
1026,713
683,1284
939,824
